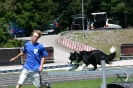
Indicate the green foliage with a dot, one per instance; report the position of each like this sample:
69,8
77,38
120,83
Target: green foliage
32,14
4,36
11,43
6,40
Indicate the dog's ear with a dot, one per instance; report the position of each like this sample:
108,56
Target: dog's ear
71,53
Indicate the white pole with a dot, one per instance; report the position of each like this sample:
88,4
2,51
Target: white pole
103,73
83,20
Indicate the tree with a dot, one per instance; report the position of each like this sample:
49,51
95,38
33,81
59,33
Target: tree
7,8
31,14
122,9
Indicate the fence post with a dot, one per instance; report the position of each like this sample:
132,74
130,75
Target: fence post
103,72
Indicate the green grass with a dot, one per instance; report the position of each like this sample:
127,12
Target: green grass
93,83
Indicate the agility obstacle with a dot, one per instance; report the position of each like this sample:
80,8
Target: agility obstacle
118,73
124,79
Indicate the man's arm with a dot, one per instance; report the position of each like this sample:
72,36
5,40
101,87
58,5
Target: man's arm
16,57
41,64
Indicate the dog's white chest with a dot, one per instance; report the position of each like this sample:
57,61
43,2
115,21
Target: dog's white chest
80,63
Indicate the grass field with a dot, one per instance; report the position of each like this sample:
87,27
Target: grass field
94,83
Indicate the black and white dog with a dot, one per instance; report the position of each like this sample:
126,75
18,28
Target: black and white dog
93,57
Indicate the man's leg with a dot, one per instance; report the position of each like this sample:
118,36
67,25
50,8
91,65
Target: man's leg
23,78
37,80
35,77
18,86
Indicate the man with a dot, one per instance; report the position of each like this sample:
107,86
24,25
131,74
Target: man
35,53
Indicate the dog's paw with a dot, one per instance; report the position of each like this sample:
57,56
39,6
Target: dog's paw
69,69
80,69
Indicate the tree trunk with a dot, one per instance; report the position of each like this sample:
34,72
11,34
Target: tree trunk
125,21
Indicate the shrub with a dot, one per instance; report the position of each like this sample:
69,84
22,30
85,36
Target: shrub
6,40
13,43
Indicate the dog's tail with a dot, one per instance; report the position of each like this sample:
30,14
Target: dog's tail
112,55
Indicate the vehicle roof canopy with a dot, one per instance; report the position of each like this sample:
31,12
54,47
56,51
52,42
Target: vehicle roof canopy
98,13
100,16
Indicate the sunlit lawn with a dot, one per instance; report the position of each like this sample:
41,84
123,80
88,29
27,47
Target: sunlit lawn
93,83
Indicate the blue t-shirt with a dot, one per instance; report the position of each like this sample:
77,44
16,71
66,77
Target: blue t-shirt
33,52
